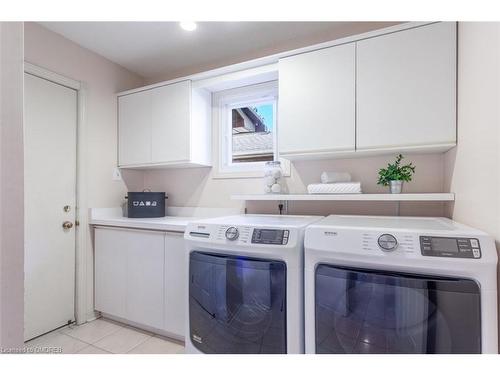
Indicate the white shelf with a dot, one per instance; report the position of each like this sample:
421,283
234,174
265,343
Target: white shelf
346,197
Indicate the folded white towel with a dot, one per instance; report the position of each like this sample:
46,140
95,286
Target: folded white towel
331,177
337,188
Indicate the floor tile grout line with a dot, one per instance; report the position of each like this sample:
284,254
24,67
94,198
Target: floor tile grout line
149,335
71,337
112,333
142,342
95,347
106,335
129,328
85,347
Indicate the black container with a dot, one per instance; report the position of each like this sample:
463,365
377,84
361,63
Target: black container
146,204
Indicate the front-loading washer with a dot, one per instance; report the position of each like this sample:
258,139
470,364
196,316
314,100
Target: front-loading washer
246,284
399,285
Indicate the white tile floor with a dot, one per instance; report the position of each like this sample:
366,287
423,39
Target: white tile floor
104,336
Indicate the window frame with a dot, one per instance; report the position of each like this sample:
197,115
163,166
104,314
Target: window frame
224,102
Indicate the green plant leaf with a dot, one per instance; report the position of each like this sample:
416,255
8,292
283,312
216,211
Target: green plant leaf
395,172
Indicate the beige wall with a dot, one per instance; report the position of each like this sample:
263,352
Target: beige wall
197,187
473,168
11,186
103,79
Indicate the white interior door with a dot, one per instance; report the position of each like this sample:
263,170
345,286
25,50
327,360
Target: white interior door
50,120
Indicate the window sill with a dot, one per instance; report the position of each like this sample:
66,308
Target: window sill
224,174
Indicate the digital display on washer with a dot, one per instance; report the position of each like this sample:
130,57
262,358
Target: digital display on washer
444,244
270,236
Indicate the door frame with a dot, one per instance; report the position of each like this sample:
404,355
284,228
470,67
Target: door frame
81,213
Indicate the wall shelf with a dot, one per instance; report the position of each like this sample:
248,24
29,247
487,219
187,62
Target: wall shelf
405,197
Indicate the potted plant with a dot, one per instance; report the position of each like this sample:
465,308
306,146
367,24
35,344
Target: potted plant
395,174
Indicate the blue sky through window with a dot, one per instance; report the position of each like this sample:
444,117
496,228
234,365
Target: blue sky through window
266,112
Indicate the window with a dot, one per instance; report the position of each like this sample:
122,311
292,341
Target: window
252,131
247,124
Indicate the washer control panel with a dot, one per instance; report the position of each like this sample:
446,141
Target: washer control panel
224,233
387,242
451,247
270,236
232,233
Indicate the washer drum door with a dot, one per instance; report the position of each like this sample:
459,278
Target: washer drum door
365,311
237,305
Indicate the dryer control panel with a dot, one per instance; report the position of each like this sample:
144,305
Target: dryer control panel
450,247
270,236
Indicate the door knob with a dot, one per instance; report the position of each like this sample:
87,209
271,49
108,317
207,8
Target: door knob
67,225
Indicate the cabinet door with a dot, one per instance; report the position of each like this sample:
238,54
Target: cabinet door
110,271
171,123
145,272
406,85
317,101
175,284
134,128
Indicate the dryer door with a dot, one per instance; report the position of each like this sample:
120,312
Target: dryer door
364,311
237,305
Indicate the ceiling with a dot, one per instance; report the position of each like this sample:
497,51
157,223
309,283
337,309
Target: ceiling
162,50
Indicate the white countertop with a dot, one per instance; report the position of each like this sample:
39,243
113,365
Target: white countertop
177,220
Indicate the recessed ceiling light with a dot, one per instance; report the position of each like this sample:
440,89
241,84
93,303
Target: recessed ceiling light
188,26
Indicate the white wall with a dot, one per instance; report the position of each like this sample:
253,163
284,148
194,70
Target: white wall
473,168
103,80
11,186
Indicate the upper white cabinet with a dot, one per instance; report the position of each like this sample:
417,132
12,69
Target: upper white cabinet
406,89
385,93
165,126
134,122
170,120
317,102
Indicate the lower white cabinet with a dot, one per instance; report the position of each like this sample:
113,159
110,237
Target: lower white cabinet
140,277
110,271
145,292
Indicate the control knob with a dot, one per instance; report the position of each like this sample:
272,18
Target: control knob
232,233
387,242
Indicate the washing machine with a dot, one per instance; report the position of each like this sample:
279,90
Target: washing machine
246,284
399,285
